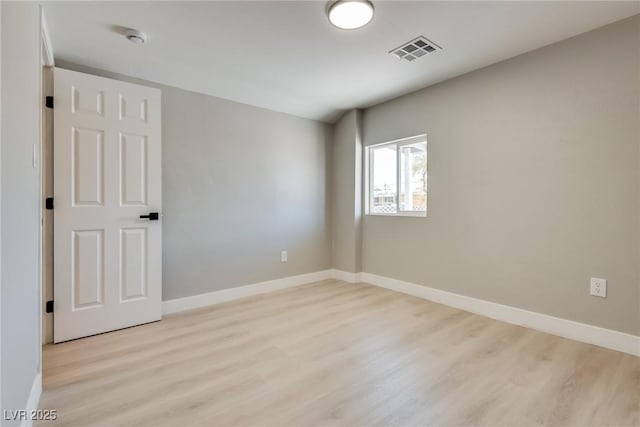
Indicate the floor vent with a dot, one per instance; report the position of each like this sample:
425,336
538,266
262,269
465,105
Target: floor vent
416,48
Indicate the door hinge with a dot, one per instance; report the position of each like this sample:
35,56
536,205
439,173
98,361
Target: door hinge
48,203
48,101
49,307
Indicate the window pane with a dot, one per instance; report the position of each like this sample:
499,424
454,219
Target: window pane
413,177
384,177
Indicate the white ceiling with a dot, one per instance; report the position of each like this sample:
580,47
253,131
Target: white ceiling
285,56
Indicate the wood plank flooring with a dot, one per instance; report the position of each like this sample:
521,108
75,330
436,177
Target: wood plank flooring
336,354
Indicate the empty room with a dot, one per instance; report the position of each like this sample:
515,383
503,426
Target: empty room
319,213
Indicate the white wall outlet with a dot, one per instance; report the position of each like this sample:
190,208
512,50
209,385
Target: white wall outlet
599,287
283,256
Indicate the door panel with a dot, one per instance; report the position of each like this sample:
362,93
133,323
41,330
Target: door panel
88,269
133,108
107,172
87,101
133,256
133,171
88,167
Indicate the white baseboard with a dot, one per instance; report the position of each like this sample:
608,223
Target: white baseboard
346,276
577,331
230,294
34,399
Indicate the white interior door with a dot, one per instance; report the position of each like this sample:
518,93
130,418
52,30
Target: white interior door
107,174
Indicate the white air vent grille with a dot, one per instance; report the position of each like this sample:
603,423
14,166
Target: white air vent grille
416,48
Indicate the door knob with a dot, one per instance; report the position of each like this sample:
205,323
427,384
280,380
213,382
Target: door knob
152,216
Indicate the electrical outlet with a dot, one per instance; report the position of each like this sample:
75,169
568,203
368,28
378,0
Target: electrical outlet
283,256
599,287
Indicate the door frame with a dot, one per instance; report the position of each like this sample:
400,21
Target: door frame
46,61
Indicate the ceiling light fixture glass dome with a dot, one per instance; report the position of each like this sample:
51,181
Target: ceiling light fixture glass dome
350,14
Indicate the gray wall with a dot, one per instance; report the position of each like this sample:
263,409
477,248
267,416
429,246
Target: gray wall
20,202
240,184
533,181
346,193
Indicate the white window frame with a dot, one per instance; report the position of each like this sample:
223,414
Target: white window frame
369,176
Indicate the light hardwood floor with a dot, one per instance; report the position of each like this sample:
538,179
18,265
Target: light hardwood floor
336,354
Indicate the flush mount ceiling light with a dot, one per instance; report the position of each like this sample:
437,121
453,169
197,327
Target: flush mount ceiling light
135,36
350,14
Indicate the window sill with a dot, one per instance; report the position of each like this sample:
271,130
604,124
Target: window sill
401,214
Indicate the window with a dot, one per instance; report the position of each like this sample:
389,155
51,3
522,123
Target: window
397,177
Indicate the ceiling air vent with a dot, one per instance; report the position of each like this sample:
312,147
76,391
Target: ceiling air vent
416,48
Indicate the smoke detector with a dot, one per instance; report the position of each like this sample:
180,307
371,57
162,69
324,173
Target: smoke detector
414,49
135,36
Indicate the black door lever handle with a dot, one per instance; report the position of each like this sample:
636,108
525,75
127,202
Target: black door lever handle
153,216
